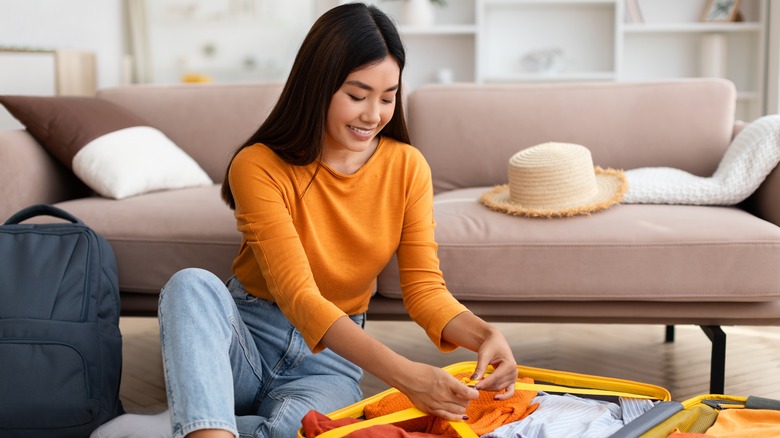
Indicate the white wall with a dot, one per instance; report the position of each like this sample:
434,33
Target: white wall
229,41
92,25
773,61
88,25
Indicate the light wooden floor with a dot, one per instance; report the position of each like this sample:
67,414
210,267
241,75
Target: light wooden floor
634,352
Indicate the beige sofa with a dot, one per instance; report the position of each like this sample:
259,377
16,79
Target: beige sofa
659,264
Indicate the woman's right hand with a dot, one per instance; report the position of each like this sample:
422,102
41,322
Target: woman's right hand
435,391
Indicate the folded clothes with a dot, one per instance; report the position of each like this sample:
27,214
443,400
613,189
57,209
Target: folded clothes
315,423
484,414
566,416
744,423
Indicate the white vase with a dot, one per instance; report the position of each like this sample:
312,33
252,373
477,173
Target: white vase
418,13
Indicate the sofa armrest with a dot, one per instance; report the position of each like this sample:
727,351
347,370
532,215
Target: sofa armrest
29,175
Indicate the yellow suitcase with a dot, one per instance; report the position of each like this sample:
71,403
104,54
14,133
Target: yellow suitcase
699,414
546,380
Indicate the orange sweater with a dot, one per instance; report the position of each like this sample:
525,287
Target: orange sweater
318,256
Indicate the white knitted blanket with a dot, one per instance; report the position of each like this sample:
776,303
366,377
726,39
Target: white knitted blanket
748,160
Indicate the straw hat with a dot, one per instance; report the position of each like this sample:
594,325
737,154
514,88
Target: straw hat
555,180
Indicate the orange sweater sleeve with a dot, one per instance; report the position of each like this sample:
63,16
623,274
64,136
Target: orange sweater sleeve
424,291
263,196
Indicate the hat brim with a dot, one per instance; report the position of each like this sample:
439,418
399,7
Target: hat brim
611,186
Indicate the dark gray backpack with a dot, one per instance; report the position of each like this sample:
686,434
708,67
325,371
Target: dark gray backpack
60,345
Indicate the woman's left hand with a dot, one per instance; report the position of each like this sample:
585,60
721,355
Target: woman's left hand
470,331
495,351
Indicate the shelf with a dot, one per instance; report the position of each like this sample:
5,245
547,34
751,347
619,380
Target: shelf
535,41
579,44
442,29
748,95
690,27
547,2
552,77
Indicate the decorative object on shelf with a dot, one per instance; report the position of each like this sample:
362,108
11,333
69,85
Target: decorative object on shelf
713,55
65,72
445,76
211,11
196,78
633,12
721,10
545,61
420,12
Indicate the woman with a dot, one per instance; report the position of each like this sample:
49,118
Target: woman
324,193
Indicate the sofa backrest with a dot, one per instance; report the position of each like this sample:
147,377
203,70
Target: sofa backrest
468,132
208,121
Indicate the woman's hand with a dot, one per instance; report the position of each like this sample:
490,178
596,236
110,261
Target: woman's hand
470,331
495,351
435,391
431,389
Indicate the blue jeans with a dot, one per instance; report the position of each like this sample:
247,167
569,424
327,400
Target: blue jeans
233,361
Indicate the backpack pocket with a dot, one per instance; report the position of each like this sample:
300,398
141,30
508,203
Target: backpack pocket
45,380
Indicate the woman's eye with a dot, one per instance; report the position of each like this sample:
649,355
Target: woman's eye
387,101
355,98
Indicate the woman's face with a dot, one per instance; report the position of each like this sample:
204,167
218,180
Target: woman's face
362,107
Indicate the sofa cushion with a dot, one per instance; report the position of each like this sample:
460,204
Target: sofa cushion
626,253
684,123
112,150
208,121
157,234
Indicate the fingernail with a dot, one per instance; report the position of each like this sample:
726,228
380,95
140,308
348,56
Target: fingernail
465,418
475,376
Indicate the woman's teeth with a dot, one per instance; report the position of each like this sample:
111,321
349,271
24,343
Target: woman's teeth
360,130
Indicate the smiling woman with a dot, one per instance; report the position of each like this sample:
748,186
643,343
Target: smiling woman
325,193
359,110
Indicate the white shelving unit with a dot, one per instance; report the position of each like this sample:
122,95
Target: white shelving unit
501,41
547,40
733,50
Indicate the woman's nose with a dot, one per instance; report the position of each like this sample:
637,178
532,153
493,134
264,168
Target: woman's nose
371,114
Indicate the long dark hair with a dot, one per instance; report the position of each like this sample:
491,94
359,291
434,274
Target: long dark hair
344,39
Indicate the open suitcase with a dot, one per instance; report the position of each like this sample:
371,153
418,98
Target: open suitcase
718,415
547,381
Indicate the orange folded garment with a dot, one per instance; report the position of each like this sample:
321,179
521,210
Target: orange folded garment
484,414
315,423
744,423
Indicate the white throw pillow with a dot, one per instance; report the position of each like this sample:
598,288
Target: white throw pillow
136,160
751,156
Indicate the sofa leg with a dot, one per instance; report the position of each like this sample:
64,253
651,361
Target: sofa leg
718,359
669,337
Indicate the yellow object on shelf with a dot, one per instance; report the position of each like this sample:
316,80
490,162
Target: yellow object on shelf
196,78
